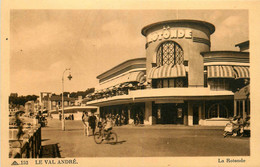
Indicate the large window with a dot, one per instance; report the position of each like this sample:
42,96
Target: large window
169,53
218,111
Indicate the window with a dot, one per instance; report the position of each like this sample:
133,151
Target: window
169,83
218,111
169,53
219,84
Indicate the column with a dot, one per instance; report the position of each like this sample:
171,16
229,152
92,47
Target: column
235,107
190,114
130,121
98,111
203,112
244,110
200,114
148,114
185,116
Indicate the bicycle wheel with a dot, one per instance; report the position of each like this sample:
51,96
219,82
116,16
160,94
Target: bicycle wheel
98,138
113,138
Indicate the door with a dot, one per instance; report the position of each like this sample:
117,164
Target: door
195,115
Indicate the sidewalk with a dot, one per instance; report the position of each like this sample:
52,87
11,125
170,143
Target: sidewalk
169,126
158,126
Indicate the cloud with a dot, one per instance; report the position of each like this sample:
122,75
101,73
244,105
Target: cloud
230,31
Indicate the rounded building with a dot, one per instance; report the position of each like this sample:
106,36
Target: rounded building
180,81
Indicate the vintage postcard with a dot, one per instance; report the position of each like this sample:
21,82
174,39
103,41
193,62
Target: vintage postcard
165,83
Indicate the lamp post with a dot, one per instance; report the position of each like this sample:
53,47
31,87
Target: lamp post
63,120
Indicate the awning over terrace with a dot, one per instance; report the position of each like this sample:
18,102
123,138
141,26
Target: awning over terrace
220,72
241,72
225,71
164,94
135,76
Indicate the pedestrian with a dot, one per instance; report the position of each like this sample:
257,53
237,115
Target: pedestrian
85,123
60,117
117,120
92,123
122,119
72,117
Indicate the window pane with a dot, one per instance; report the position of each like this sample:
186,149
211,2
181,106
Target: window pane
222,112
159,83
179,82
165,83
213,113
171,83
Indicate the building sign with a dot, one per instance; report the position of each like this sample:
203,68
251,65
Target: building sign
169,33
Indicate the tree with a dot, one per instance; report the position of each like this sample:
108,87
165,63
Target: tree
21,100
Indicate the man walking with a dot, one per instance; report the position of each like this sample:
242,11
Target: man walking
85,122
92,123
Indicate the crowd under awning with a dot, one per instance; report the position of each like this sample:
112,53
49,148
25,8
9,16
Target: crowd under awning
167,71
162,94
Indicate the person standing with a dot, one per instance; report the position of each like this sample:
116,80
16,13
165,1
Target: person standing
92,123
85,123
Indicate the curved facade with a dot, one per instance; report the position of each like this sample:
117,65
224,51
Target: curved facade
179,82
192,37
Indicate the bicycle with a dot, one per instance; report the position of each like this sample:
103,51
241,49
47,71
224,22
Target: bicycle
110,136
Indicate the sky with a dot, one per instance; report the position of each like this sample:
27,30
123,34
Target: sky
44,43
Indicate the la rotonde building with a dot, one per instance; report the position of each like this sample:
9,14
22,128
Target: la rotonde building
180,81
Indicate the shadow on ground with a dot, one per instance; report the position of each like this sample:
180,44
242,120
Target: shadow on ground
50,151
114,143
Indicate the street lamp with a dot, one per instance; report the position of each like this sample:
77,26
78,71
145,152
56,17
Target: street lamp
63,120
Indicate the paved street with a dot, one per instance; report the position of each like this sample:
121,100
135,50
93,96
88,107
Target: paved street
158,140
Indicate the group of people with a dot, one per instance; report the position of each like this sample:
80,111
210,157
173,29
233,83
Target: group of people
90,122
119,120
239,124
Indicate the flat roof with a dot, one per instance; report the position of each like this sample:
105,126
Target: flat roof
224,51
210,26
246,43
125,62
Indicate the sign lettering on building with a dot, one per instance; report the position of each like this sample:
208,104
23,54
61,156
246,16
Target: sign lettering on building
169,33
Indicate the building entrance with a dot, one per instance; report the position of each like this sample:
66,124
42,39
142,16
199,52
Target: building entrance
195,115
170,113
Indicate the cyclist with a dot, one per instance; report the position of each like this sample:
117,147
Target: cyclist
108,124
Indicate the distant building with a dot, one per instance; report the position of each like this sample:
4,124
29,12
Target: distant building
57,101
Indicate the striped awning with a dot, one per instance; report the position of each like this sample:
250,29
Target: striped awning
167,71
241,72
220,72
